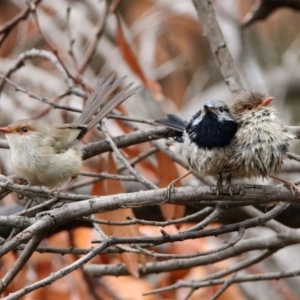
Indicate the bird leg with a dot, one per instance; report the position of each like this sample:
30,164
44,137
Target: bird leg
69,184
171,185
229,185
219,184
293,188
20,181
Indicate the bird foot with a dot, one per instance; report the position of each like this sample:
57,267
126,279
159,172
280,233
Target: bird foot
231,188
52,191
170,189
295,190
20,181
219,189
229,185
171,186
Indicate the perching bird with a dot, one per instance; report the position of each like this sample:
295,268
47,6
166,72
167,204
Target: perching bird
207,138
49,155
260,142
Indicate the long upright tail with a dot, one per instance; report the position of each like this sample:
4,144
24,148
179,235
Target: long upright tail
176,123
107,95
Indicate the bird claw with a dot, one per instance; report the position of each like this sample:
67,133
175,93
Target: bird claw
219,187
170,189
171,186
229,186
20,181
234,189
230,190
53,191
295,190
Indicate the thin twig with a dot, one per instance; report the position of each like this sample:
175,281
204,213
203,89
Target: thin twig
103,175
191,255
153,223
58,274
218,211
120,157
21,261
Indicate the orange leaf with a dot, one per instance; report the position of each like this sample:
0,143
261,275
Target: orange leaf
167,172
155,88
129,288
114,187
133,63
128,54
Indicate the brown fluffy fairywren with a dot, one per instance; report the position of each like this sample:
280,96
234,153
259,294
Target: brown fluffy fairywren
207,139
48,155
260,142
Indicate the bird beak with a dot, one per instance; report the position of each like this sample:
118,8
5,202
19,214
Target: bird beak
207,108
266,101
5,130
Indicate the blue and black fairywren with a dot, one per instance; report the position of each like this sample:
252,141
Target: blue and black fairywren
207,139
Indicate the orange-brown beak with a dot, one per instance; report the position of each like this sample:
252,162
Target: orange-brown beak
267,101
5,130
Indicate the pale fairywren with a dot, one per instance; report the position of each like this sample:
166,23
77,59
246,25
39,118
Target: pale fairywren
260,142
48,155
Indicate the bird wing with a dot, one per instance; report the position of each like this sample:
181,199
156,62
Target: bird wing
173,122
176,123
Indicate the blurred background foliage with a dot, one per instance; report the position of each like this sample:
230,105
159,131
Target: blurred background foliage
168,43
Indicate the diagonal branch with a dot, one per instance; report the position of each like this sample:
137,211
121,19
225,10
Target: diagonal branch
212,30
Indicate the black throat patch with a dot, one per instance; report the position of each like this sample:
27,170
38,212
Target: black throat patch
210,133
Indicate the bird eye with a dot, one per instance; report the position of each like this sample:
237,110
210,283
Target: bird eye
249,106
24,129
221,109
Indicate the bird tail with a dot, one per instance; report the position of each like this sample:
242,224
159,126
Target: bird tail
106,97
176,123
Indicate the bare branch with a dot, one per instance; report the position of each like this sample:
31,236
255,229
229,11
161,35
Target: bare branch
212,30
